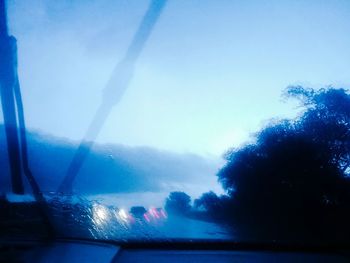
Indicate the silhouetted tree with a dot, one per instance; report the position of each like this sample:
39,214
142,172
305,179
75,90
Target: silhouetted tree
295,177
210,202
138,211
178,203
207,202
326,121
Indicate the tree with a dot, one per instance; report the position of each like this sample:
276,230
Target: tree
210,206
138,211
210,202
178,203
207,202
327,121
295,177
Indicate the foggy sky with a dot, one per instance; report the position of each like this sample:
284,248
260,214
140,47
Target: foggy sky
211,73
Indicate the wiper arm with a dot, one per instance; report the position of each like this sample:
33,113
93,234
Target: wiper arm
114,91
8,102
11,100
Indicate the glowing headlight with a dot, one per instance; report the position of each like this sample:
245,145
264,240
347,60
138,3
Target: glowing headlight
123,215
100,214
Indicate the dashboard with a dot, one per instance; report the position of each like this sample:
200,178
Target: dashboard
84,251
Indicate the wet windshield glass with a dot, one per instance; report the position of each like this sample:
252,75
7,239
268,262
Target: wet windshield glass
141,120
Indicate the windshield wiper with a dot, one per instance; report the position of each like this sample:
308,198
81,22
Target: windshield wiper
113,91
11,100
7,82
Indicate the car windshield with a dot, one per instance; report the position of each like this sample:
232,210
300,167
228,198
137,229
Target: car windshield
175,119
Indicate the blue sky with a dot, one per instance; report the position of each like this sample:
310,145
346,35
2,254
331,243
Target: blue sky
211,73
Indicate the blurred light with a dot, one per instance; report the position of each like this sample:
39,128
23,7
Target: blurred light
146,217
100,214
163,213
155,214
123,215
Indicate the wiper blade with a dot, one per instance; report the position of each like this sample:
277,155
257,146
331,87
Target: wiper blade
113,91
7,81
11,101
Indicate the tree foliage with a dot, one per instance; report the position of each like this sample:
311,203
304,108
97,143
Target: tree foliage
138,211
297,171
178,203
